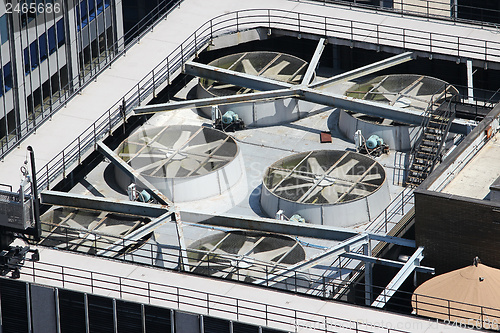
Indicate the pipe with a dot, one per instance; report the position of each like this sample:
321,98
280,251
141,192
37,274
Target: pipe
34,193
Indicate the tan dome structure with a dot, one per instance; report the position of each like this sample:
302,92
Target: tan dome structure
469,293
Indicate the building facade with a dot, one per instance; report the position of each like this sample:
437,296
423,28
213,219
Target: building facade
48,49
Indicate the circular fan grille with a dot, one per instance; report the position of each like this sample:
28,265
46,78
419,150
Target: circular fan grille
324,177
416,92
178,151
243,255
273,65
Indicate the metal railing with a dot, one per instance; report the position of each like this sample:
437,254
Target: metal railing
430,9
249,19
211,304
83,78
446,311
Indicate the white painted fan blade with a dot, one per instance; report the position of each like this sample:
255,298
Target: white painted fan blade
373,176
344,169
312,194
414,90
248,67
190,164
330,194
272,254
181,140
73,224
315,166
114,229
204,148
93,224
360,192
223,86
387,121
246,247
172,168
276,69
151,166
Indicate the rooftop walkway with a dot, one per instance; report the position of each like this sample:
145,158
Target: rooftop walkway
224,299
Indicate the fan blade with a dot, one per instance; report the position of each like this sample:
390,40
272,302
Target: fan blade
344,169
330,194
293,175
271,255
248,67
204,148
114,229
151,166
246,247
172,168
373,176
276,69
185,135
73,224
315,166
316,190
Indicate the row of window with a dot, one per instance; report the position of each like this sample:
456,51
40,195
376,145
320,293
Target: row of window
40,50
87,11
5,78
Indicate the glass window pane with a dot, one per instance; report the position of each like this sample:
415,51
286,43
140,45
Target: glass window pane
34,54
27,67
52,40
7,75
4,33
42,41
60,33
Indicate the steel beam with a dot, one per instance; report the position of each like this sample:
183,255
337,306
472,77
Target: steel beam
137,234
365,70
398,280
245,80
290,271
136,176
313,64
394,240
101,204
384,262
221,100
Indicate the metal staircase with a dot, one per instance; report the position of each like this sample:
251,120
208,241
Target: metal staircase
426,152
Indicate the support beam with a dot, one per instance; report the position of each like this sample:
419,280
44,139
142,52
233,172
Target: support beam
238,79
398,280
290,271
136,176
221,100
394,240
137,235
366,70
313,64
367,250
385,262
470,82
101,204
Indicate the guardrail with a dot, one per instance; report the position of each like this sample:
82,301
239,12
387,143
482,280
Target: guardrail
453,11
248,19
212,304
81,80
445,311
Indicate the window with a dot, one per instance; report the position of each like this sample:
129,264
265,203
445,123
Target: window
4,32
52,39
27,67
34,54
87,11
42,42
60,33
7,76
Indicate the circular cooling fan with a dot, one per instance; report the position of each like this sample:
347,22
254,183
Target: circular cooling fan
272,65
416,92
177,151
243,255
86,231
324,177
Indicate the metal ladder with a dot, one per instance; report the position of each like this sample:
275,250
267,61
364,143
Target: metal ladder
426,152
